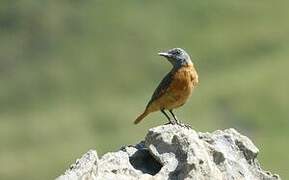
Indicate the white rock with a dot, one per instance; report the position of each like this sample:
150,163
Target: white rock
174,152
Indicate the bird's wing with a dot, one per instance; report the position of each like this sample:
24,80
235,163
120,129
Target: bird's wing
162,87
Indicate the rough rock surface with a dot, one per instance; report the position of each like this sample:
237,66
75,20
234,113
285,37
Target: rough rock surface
174,152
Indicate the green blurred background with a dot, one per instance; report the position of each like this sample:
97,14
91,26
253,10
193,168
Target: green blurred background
74,75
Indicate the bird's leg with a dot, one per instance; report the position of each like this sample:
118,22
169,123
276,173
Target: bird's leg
168,117
179,122
175,117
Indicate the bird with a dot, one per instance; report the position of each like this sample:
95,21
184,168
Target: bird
175,88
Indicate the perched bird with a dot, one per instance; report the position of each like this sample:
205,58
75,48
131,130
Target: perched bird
175,88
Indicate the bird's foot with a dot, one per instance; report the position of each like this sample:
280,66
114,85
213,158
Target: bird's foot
184,125
179,123
173,122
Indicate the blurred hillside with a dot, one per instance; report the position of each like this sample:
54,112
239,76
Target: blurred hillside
75,74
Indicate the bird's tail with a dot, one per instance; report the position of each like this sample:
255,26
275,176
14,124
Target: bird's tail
143,115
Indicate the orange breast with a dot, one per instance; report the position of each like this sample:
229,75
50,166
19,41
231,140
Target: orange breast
180,89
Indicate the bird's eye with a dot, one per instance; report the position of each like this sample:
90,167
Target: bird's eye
175,52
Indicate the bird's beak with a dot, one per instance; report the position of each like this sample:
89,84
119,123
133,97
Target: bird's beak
165,54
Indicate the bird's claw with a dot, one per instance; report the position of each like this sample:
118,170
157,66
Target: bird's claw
179,123
184,125
173,122
187,126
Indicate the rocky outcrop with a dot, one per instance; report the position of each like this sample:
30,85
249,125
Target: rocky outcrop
175,152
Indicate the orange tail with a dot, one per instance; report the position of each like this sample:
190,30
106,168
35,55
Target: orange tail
143,115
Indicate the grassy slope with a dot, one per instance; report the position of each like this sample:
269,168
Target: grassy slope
75,75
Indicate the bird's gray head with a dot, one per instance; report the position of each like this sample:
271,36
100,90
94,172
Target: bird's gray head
177,56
